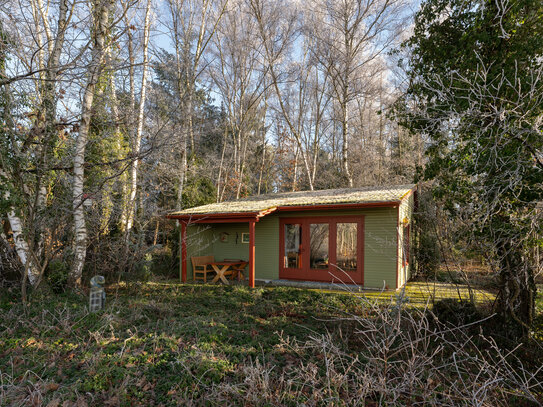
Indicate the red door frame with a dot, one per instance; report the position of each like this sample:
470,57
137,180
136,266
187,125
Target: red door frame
332,273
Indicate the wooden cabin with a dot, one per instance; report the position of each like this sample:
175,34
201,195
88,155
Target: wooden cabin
355,236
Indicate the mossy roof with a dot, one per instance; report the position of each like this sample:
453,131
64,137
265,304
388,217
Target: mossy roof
268,202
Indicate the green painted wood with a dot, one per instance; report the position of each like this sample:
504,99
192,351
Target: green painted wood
380,239
233,248
267,248
380,242
200,241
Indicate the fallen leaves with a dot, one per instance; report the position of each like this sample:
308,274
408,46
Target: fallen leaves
52,386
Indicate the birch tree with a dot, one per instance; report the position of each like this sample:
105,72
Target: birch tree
101,11
350,37
37,67
192,25
137,131
240,78
298,91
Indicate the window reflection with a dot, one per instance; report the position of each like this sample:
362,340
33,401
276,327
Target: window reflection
346,246
318,245
293,241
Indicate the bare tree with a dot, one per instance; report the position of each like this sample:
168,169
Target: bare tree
240,78
193,24
127,218
350,37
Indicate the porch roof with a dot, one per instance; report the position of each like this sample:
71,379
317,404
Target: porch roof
261,205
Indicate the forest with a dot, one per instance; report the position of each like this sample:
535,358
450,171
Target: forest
114,114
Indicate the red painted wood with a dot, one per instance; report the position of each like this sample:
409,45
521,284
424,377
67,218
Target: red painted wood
362,245
183,252
196,216
252,254
193,221
398,249
332,273
338,206
255,216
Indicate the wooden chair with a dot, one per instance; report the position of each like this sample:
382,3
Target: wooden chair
237,271
199,266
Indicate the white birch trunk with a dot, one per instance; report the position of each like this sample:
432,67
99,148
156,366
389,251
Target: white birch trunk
80,229
139,130
23,250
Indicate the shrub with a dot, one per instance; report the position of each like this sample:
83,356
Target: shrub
456,312
57,275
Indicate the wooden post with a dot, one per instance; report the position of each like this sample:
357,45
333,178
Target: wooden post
183,252
252,254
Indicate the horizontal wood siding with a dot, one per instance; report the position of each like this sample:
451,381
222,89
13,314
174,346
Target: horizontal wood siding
267,248
200,242
233,248
380,249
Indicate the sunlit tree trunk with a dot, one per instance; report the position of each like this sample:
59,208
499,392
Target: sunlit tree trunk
101,12
136,138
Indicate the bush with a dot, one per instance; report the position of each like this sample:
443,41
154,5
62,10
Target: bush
57,275
426,251
456,312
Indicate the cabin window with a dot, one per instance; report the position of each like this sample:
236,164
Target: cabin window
347,246
293,244
318,244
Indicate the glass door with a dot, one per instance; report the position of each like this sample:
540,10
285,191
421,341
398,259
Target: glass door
322,249
319,242
292,258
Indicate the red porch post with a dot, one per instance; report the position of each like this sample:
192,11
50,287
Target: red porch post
183,252
252,254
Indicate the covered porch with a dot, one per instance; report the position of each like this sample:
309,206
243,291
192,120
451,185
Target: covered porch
222,242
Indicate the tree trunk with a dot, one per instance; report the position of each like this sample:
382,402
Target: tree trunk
136,141
100,27
345,139
23,250
516,299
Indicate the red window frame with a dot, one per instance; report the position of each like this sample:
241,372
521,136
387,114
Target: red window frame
332,274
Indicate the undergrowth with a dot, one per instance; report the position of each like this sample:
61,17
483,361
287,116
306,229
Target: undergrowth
169,344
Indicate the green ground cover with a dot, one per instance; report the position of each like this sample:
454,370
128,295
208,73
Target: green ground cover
163,343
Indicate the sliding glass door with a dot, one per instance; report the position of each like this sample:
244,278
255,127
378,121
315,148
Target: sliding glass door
322,249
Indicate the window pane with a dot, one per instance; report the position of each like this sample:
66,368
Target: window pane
293,240
318,245
346,246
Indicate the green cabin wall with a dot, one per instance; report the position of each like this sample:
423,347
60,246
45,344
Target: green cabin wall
381,252
380,243
200,240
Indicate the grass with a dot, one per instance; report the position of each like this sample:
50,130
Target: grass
419,294
165,343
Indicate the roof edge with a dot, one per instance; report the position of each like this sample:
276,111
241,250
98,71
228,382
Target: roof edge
222,217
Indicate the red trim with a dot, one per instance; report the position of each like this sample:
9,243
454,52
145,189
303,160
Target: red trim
252,254
338,206
195,216
225,220
183,252
332,273
192,220
398,249
255,216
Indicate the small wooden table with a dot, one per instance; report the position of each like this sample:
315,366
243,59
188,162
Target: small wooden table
224,268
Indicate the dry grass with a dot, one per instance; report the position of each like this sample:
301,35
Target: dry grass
169,344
